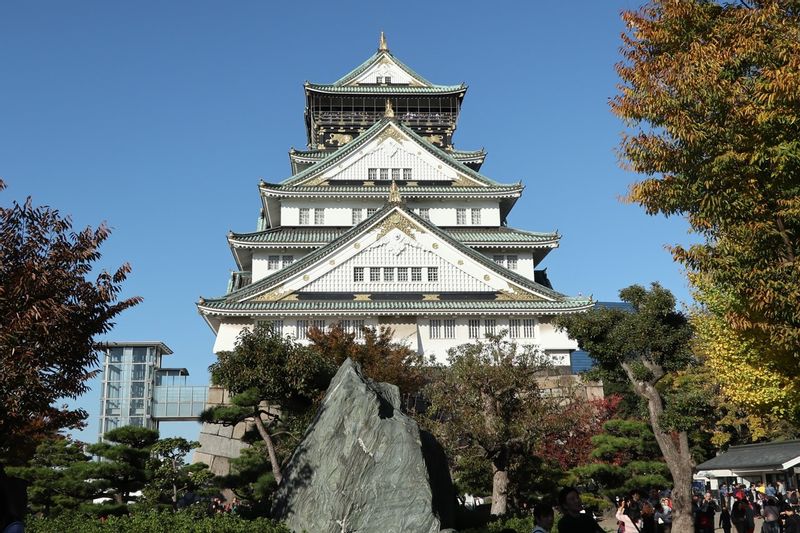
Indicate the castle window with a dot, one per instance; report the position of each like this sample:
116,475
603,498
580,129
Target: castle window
527,328
358,326
450,329
396,174
371,211
379,79
436,329
402,274
372,173
358,274
384,173
489,326
305,217
357,215
319,324
513,328
416,273
476,216
287,260
388,273
406,173
511,262
499,259
273,262
374,274
387,79
302,329
425,213
474,329
461,216
319,216
433,273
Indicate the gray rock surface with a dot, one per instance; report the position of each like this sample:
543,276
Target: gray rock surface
360,466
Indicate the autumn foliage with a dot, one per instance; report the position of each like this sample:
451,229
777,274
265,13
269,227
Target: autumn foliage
50,312
711,92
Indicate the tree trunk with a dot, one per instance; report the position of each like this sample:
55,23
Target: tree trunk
674,448
273,459
499,488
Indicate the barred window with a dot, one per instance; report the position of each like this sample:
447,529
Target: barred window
511,262
319,324
513,328
499,259
374,274
436,329
450,329
346,325
474,329
319,216
527,328
358,274
372,173
433,273
302,329
461,216
402,274
379,79
358,214
305,217
277,327
489,326
371,211
358,326
476,216
406,173
387,79
287,260
425,213
384,173
388,273
396,174
273,262
416,273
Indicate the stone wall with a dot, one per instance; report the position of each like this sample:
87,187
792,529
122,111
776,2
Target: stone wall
219,444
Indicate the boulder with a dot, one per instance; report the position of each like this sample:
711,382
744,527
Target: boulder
361,466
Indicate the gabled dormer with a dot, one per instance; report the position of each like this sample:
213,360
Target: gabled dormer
337,113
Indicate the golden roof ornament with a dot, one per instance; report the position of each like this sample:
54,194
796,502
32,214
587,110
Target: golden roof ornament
389,113
394,194
382,46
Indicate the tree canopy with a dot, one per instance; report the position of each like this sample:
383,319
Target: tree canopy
51,313
711,92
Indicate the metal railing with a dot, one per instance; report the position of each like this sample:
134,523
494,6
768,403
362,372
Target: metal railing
364,118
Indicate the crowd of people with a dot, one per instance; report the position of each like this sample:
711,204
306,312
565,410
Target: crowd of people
735,509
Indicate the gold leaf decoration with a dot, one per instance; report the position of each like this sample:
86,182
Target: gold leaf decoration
516,294
430,297
362,297
396,220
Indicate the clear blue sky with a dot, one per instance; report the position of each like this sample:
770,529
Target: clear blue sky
160,118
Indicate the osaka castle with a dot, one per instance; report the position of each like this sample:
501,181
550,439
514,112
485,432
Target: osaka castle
383,222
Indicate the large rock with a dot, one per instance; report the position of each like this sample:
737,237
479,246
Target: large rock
361,467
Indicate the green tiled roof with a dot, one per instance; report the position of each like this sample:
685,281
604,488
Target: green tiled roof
386,89
405,191
348,306
320,253
322,235
367,136
374,58
322,154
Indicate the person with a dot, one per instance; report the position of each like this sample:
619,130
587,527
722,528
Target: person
742,517
575,521
771,516
543,517
704,516
791,522
664,516
648,518
725,519
628,516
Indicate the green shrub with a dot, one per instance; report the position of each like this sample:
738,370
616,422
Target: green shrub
154,522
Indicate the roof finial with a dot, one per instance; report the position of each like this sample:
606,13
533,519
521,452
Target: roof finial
389,113
394,194
383,46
